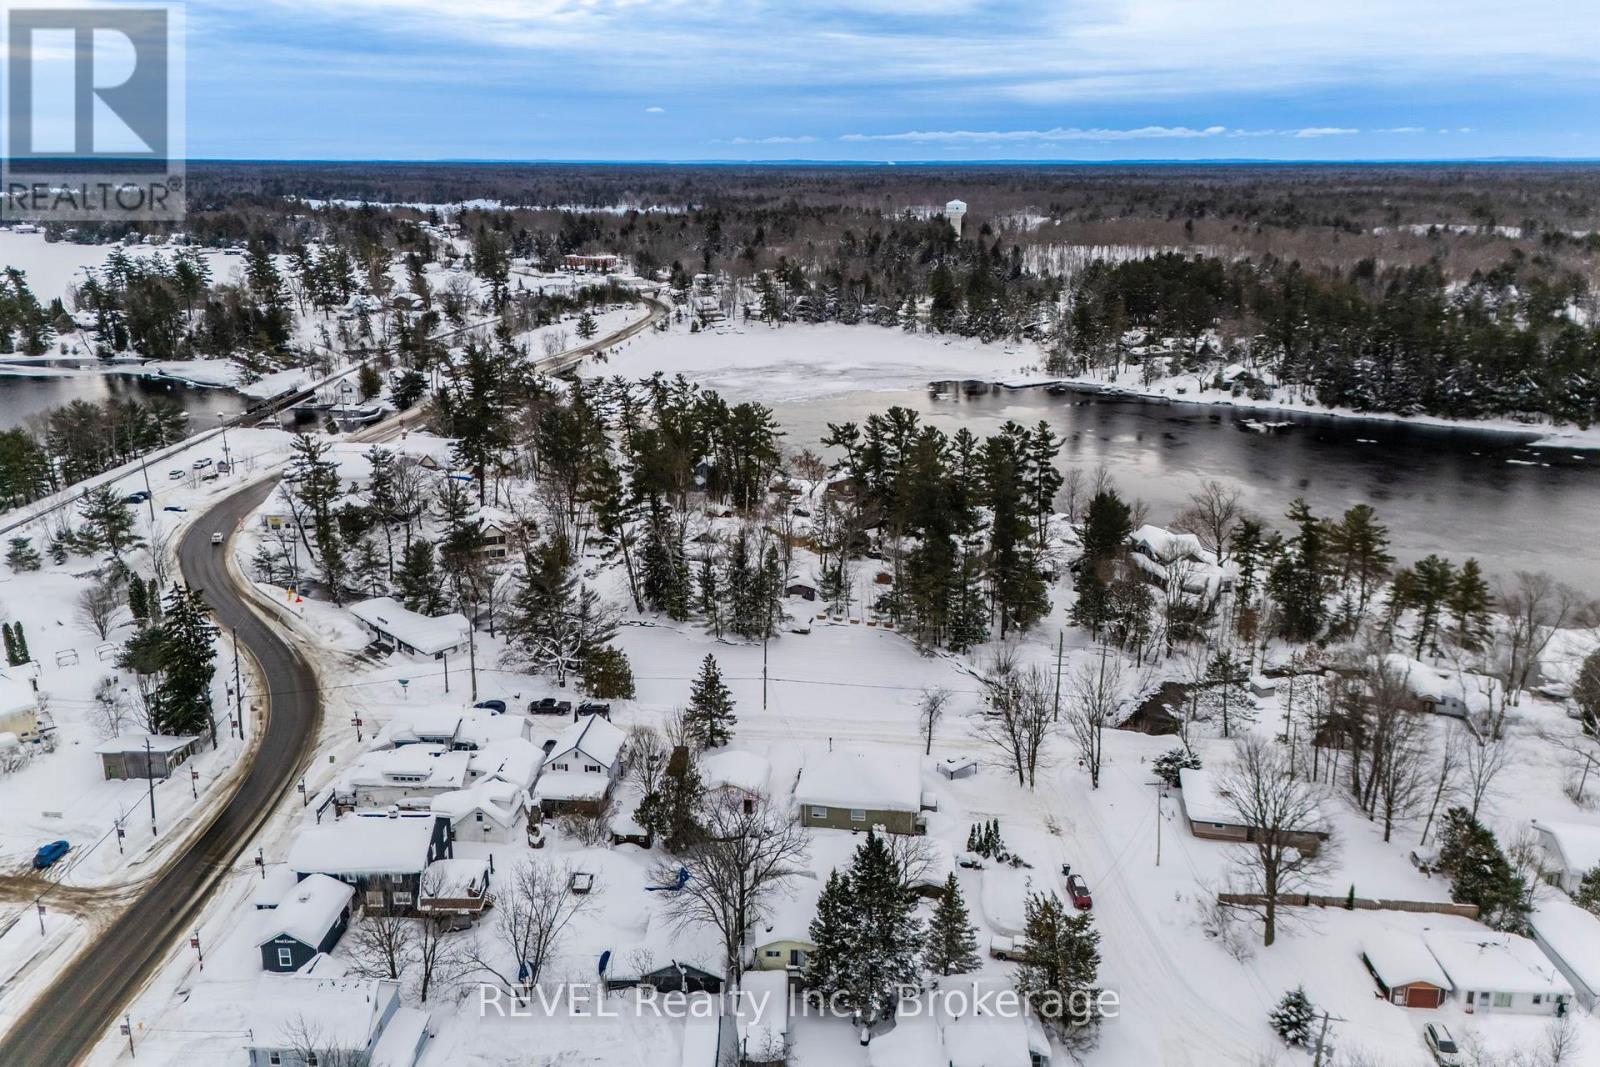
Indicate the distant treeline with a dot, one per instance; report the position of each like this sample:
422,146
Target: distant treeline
79,440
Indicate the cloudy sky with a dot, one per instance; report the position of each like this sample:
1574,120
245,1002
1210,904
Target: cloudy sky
887,80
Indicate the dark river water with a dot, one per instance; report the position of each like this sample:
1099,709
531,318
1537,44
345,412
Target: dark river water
24,396
1459,493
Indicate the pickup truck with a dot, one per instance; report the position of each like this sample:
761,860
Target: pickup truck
1008,948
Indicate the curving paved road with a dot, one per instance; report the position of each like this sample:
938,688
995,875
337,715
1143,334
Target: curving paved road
87,1000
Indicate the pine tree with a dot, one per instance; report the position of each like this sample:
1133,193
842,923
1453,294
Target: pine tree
20,640
1481,874
1292,1018
869,933
1588,895
11,644
22,556
1469,603
710,717
664,578
554,620
108,522
418,580
709,587
587,326
138,605
1062,966
674,811
1167,765
182,703
1299,579
952,939
607,674
152,598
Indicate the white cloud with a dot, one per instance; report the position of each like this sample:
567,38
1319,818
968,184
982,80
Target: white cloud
803,139
1141,133
1325,131
654,110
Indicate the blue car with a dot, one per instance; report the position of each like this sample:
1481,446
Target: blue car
48,854
496,706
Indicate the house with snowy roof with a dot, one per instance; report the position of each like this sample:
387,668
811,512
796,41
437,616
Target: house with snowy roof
583,765
310,918
1405,971
1571,850
408,777
745,776
421,636
1212,815
1178,562
1569,936
781,939
19,709
493,811
382,855
305,1021
1499,973
861,789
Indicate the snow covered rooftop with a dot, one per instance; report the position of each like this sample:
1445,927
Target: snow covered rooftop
455,878
427,634
344,1012
364,844
414,766
746,771
16,695
308,911
1401,959
1205,800
515,760
1573,934
1496,963
273,886
1167,546
139,743
593,736
571,785
878,780
1578,842
499,800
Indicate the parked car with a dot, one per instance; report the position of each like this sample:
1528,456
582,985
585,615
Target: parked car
1078,889
1442,1044
202,464
589,708
496,706
174,507
138,497
550,706
216,538
174,475
49,854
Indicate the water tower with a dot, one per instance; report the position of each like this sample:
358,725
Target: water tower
955,211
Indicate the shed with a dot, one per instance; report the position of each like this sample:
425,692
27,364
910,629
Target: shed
310,919
1405,970
678,977
144,755
954,767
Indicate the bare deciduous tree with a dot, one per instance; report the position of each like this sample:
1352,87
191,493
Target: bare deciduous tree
306,1042
1483,760
380,946
443,956
533,909
744,859
1535,606
930,710
1094,702
1213,511
1021,714
1281,811
100,608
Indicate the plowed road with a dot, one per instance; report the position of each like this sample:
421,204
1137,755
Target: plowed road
86,1001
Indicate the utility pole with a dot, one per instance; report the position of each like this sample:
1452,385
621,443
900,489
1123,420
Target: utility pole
1061,639
238,682
763,674
1159,795
446,656
1323,1047
149,497
472,653
150,781
127,1028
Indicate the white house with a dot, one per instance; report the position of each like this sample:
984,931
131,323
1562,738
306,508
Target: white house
1571,850
423,636
1570,937
781,939
339,1016
19,709
581,768
743,775
1493,972
491,811
408,776
1178,561
512,760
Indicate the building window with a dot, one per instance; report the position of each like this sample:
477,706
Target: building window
858,815
274,1059
773,953
593,768
477,816
818,812
402,900
285,957
311,1059
1502,1000
1538,998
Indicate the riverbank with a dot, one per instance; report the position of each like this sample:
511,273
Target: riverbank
1536,435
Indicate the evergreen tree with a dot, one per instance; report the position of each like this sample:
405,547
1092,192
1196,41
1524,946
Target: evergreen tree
664,578
20,641
1167,765
1588,895
1292,1018
673,812
869,935
1061,967
1469,603
1298,581
11,644
614,511
182,703
709,588
1359,546
587,326
1481,874
710,717
369,568
108,522
607,674
138,605
418,581
952,939
22,556
554,620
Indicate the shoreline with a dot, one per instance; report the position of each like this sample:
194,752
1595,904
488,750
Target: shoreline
1545,436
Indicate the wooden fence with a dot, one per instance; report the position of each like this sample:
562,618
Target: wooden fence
1314,900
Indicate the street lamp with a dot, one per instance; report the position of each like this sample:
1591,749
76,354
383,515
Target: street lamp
222,419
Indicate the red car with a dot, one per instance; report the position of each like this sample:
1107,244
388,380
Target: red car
1079,891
